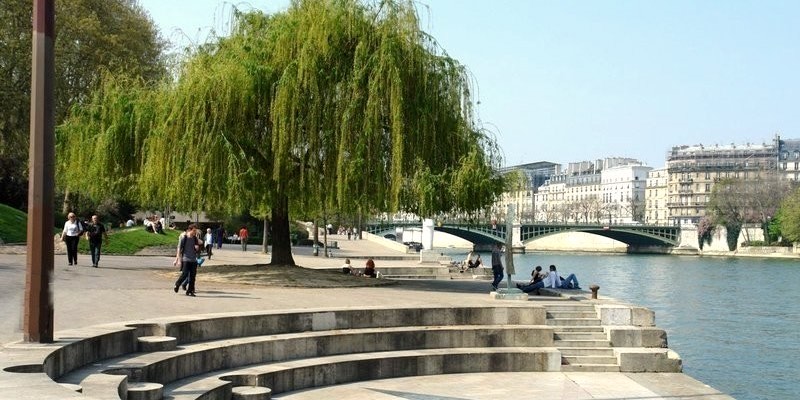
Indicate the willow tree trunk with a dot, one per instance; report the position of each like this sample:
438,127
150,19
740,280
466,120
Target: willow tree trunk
281,240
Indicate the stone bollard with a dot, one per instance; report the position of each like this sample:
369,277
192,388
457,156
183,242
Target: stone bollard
594,289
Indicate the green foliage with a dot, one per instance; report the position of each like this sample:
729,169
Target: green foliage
335,105
13,225
93,36
789,217
733,230
129,241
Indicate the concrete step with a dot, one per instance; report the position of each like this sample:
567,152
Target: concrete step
575,360
590,368
573,321
300,374
586,351
168,366
571,314
569,306
582,343
585,329
580,336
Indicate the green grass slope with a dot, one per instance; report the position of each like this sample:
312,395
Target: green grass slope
127,241
13,225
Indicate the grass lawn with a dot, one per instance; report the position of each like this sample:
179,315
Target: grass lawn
126,241
13,225
129,241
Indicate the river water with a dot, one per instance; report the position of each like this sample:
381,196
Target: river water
734,321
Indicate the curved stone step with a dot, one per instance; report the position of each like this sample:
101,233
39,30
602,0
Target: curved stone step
157,343
199,358
145,391
321,371
251,393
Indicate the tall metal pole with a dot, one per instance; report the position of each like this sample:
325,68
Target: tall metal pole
38,320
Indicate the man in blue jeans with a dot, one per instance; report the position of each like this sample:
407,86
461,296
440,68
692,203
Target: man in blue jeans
497,266
96,233
556,282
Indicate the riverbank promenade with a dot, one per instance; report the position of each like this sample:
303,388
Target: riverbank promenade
136,289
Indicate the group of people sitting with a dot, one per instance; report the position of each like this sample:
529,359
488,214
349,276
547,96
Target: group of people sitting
369,269
154,224
550,279
470,263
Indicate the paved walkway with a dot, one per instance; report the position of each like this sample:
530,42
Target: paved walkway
127,288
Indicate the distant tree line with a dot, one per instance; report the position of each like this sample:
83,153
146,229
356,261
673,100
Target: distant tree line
93,37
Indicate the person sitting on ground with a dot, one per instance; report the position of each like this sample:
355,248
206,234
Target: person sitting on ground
347,268
536,283
129,223
369,269
477,262
557,282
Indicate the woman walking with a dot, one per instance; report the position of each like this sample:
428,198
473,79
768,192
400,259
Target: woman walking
70,235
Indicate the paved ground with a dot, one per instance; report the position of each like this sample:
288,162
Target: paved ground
134,288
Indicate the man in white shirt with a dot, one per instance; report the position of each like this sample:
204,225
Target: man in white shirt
553,280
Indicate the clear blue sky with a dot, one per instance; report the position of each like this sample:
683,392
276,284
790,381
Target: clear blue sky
566,80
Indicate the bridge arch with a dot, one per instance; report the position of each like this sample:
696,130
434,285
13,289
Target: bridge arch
632,235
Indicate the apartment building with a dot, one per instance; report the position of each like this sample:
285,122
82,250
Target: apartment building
693,170
611,189
656,196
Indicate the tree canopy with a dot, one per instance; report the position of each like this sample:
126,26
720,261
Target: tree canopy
789,217
735,202
92,36
331,105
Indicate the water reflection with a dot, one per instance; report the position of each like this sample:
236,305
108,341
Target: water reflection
734,321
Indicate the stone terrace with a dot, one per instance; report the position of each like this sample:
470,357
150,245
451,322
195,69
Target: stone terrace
124,319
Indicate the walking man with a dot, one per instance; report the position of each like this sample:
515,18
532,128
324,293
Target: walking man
188,248
96,233
243,235
497,266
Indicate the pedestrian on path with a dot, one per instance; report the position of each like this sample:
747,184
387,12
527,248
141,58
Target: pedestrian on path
188,248
243,235
70,235
497,266
96,233
209,240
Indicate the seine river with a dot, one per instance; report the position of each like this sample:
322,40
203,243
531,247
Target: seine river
734,321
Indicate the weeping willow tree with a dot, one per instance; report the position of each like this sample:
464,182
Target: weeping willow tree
332,105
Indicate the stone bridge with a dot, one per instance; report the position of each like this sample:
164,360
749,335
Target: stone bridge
635,236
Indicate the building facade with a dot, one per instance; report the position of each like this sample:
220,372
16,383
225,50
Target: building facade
608,190
693,170
656,196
